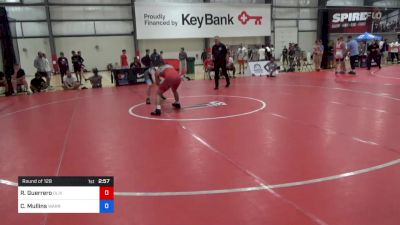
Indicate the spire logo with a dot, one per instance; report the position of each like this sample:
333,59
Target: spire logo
244,18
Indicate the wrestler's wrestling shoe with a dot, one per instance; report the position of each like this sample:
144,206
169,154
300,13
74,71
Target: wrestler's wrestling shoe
176,105
157,112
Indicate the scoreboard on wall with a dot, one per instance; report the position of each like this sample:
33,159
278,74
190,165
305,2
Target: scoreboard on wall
65,194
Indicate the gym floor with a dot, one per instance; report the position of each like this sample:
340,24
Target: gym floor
301,148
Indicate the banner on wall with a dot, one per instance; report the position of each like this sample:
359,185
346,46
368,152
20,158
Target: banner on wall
201,20
360,20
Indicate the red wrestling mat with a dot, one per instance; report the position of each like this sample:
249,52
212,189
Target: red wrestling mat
307,148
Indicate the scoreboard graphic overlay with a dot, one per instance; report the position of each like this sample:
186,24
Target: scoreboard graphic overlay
65,194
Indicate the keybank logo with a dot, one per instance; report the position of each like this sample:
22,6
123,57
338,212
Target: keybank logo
210,19
244,18
207,19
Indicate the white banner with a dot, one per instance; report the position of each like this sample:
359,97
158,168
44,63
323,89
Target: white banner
261,68
201,20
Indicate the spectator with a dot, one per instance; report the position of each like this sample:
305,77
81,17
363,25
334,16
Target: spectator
384,51
219,52
298,55
292,56
285,55
3,81
394,51
41,64
254,55
322,52
352,48
63,65
38,84
48,70
317,52
96,79
208,65
340,49
272,52
204,55
18,78
146,61
230,65
373,54
70,82
136,63
155,58
242,57
261,53
330,55
77,62
182,61
162,57
124,60
268,52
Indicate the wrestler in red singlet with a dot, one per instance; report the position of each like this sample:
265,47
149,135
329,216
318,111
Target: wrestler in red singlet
171,79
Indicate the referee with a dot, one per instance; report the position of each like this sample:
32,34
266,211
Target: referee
219,53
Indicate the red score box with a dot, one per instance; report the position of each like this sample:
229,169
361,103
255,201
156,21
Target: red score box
106,193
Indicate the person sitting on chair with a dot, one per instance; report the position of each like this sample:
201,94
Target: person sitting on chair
230,65
3,81
18,78
208,65
70,82
38,84
95,80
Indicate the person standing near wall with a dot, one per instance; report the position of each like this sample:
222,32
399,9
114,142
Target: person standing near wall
254,55
48,70
394,51
285,56
322,52
41,67
330,53
63,64
261,53
340,49
124,60
81,60
268,52
204,55
162,57
146,61
241,57
155,58
384,51
77,64
219,53
182,61
352,48
316,55
373,53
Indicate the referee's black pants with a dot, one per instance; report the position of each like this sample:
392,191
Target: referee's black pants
217,67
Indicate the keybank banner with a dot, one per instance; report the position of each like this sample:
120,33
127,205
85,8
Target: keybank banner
201,20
